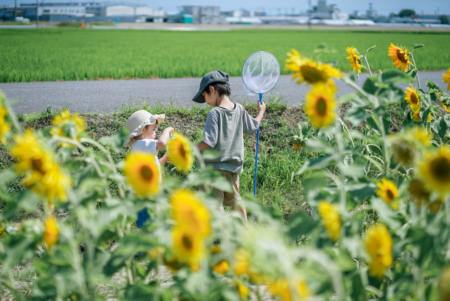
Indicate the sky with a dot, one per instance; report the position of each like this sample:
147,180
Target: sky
381,6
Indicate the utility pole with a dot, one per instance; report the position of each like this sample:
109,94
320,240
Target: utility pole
15,10
309,14
37,13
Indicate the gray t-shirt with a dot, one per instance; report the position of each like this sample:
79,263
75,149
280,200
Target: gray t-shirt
224,133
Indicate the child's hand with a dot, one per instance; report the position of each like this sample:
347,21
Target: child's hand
169,130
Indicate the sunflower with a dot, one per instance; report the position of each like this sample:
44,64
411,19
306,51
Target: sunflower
378,245
29,153
242,289
331,219
4,126
421,136
42,173
415,115
419,193
143,174
446,78
320,106
444,280
403,150
51,231
309,71
412,98
68,125
354,58
285,291
241,263
434,170
387,190
221,267
188,247
400,57
53,185
189,212
179,150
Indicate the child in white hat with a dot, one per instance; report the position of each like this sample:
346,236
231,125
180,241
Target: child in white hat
142,126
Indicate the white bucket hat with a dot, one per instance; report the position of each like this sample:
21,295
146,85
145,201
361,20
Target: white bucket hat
139,120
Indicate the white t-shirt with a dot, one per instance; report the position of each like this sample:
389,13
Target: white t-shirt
145,146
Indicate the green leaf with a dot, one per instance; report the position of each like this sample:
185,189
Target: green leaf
442,128
300,224
369,86
362,193
386,214
358,292
395,76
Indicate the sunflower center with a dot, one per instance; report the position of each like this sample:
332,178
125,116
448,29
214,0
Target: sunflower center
390,194
401,55
321,106
440,169
414,99
187,242
37,165
146,173
182,151
312,75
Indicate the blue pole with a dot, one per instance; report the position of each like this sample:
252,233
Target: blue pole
255,173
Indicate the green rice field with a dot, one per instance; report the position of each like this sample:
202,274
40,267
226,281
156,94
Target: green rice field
76,54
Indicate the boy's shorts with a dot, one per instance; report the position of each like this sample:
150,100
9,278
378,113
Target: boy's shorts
230,199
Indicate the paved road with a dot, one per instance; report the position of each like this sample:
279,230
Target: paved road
109,95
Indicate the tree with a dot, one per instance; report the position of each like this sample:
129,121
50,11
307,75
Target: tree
407,13
444,19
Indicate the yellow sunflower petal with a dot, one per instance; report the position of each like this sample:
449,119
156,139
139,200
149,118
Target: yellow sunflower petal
331,219
51,231
143,174
354,58
308,71
188,247
388,191
446,78
320,106
400,57
189,212
180,153
412,98
434,170
378,245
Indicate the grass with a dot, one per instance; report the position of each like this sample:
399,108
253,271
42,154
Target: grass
278,159
75,54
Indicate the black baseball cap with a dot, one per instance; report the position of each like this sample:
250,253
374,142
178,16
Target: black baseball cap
212,77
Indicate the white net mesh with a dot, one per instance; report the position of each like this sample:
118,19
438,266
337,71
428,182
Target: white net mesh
261,72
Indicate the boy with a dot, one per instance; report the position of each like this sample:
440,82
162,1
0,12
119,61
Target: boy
224,129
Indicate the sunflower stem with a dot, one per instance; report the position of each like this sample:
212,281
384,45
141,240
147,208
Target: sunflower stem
379,122
417,71
353,85
367,65
12,116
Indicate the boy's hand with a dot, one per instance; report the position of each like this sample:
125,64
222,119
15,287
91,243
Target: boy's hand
261,107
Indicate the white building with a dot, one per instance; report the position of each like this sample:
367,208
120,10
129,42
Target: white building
119,11
75,11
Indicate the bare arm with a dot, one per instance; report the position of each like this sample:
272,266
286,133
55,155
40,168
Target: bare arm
163,159
164,138
261,111
202,146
